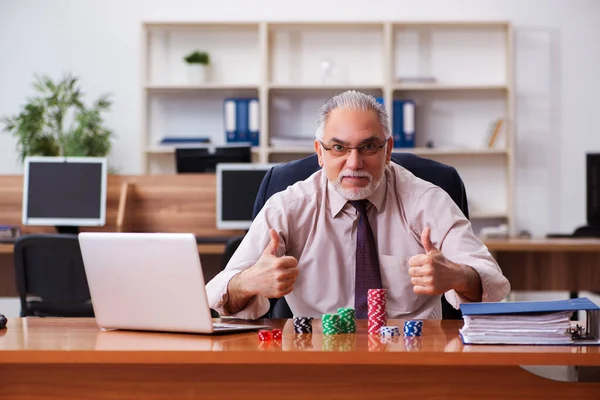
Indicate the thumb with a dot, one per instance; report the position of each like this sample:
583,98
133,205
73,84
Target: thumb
273,244
426,240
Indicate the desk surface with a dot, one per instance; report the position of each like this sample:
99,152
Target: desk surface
542,245
78,340
203,248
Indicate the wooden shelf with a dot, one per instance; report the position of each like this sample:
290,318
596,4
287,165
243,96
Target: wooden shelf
277,86
168,88
445,87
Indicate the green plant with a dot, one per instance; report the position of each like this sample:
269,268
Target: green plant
57,123
197,57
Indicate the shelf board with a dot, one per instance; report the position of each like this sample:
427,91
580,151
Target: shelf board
425,151
487,215
153,88
442,87
171,150
279,86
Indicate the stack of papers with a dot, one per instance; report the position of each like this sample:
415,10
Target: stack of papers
518,329
529,322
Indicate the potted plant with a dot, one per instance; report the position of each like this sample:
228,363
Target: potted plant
197,62
56,122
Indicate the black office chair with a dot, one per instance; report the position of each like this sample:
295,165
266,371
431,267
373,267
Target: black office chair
281,176
50,276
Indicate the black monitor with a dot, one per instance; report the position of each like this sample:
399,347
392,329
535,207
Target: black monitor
64,192
237,187
205,159
593,189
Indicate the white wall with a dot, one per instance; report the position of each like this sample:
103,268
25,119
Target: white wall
557,64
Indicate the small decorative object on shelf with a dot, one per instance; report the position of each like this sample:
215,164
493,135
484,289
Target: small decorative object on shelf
326,72
198,62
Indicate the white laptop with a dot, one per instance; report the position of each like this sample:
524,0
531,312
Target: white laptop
149,281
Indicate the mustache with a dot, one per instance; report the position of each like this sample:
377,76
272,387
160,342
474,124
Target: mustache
355,174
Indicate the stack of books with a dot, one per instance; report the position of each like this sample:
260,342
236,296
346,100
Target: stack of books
530,322
9,233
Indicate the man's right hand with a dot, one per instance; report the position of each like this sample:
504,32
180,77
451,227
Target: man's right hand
271,276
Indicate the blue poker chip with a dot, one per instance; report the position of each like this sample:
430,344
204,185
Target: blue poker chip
389,331
413,328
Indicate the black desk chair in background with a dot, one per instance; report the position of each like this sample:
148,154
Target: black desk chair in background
50,276
281,176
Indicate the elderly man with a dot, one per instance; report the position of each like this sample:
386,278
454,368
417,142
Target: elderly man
360,222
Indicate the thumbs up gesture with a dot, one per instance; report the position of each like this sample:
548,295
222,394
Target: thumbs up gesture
271,276
432,272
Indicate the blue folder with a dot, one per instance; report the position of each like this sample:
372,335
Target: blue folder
520,307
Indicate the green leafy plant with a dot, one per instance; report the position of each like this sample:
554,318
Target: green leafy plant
57,123
197,57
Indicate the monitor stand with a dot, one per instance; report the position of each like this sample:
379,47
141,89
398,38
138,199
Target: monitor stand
589,231
68,230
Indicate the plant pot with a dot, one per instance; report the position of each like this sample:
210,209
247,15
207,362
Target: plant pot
197,74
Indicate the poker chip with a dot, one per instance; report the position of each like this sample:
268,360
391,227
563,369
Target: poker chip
347,320
276,334
376,306
303,324
264,335
331,324
389,331
413,328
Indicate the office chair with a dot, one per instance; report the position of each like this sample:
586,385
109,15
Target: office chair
50,276
281,176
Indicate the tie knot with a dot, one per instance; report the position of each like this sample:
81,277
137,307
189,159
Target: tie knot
360,205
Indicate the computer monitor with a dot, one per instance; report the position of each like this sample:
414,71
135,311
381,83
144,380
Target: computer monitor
204,159
64,191
237,187
593,189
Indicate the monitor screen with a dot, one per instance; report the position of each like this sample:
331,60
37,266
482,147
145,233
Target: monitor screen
593,189
237,187
64,191
205,159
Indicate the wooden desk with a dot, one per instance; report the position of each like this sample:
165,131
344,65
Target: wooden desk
69,358
208,249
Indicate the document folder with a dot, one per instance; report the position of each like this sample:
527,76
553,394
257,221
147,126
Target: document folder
530,322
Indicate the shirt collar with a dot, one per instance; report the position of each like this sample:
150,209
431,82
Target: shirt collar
337,201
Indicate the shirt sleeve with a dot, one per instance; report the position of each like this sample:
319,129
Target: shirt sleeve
247,254
452,233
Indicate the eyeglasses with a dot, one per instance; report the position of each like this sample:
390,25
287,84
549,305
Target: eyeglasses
369,149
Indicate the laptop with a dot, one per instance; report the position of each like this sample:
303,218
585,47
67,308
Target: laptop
149,282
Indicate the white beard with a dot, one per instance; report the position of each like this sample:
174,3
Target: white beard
356,193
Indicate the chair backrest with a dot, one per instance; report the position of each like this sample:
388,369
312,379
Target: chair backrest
281,176
50,276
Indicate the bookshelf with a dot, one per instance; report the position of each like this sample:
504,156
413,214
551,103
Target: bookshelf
292,68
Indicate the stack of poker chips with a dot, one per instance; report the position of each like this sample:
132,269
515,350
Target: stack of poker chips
389,331
413,328
376,306
347,320
303,324
331,324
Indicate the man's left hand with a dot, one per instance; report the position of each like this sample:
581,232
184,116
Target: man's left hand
433,273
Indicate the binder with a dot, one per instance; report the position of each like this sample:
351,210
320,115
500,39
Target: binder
403,129
254,121
230,120
242,131
530,322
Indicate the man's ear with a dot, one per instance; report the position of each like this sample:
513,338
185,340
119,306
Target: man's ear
390,146
319,151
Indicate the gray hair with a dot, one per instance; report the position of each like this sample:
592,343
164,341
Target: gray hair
354,100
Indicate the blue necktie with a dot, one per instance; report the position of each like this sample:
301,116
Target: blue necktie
368,275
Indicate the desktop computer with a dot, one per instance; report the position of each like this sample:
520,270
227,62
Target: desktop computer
237,187
205,159
65,192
